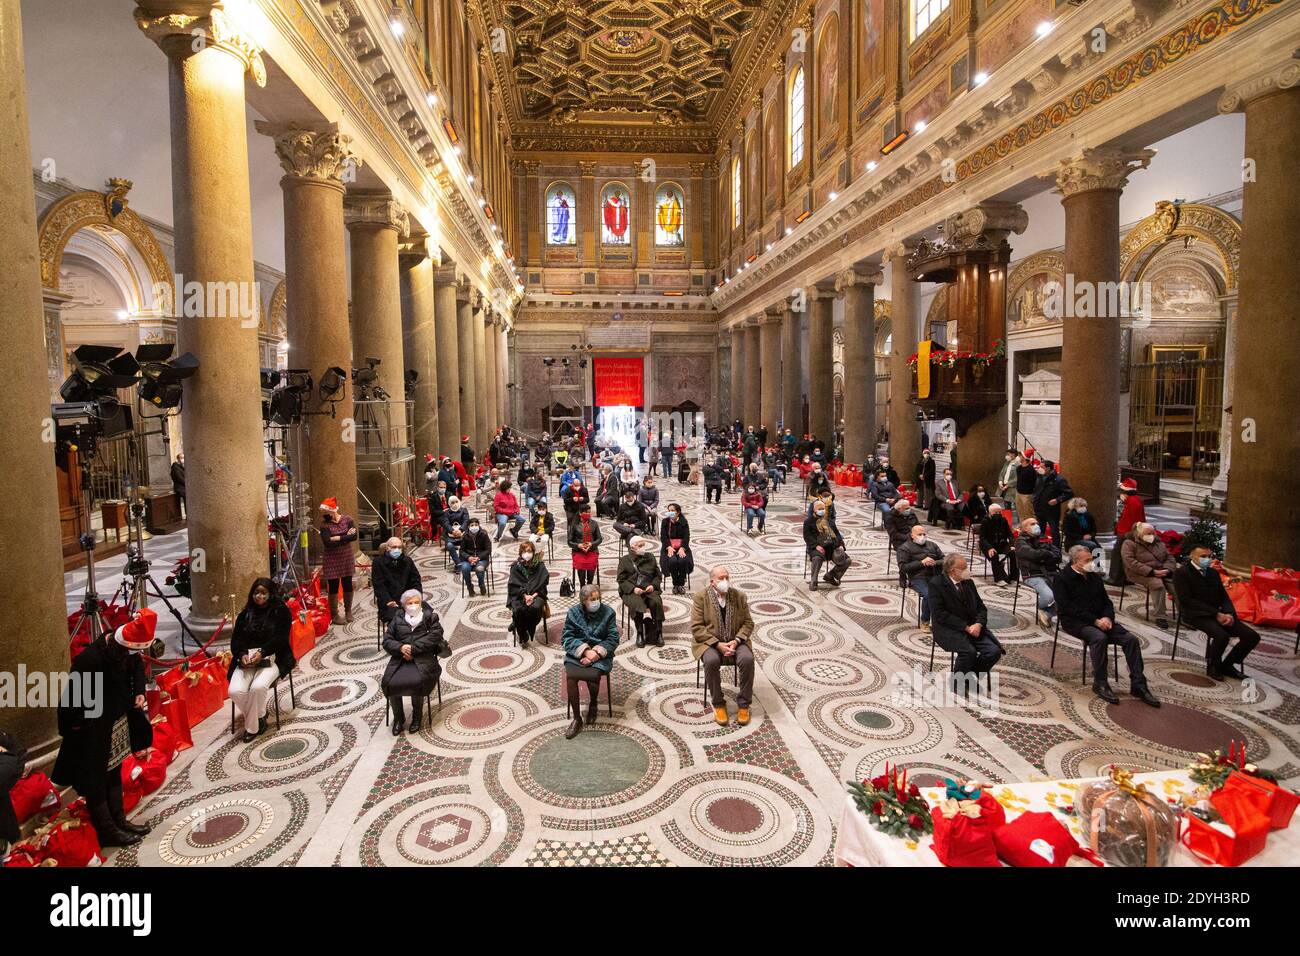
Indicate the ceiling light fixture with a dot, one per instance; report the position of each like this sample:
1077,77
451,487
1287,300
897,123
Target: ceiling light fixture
833,196
398,28
871,165
919,127
981,78
1044,28
894,143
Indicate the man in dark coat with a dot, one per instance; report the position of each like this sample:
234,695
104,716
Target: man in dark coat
713,480
997,546
923,479
466,453
631,517
1205,605
392,574
639,580
920,559
103,718
475,553
414,641
178,479
1051,491
1088,614
960,619
899,522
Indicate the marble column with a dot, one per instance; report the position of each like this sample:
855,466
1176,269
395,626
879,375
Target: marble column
469,399
314,160
503,371
1090,185
821,363
484,418
791,369
770,386
222,415
737,372
32,572
374,223
420,348
904,331
444,315
490,362
753,375
858,289
1263,513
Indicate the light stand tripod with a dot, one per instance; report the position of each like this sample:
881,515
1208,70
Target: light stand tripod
290,537
90,602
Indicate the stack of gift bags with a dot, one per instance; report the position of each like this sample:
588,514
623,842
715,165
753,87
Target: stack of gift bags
1120,821
1269,597
63,835
311,616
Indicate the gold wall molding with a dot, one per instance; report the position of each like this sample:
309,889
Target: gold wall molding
177,33
91,210
1195,221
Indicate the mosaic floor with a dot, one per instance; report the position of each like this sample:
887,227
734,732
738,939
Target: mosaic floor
493,781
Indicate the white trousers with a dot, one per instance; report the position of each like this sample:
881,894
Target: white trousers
250,689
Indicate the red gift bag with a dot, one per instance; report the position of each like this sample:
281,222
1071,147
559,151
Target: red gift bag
203,687
302,637
132,791
153,768
33,794
25,855
1245,808
68,840
1276,803
320,619
1039,839
178,719
964,840
1244,600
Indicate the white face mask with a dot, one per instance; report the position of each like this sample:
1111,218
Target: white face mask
593,605
919,539
413,613
1148,538
722,586
964,574
1034,530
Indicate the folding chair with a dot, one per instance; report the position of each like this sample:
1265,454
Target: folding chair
1056,633
607,678
546,634
487,576
428,707
275,694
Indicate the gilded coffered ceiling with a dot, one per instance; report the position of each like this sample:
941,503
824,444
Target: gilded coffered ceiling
662,75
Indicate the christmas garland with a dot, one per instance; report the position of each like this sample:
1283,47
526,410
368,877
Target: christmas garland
892,805
1212,769
948,358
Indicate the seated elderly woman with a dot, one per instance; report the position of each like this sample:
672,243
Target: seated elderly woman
1149,565
526,592
414,642
639,579
1078,526
675,547
590,638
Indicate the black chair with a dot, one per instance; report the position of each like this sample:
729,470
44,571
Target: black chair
904,583
488,577
573,577
1173,599
733,663
952,666
1178,626
664,585
275,693
546,633
1057,632
428,709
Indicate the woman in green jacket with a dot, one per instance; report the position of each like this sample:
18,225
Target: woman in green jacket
590,638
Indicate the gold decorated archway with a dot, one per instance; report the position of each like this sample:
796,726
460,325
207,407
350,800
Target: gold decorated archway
102,211
276,322
1189,221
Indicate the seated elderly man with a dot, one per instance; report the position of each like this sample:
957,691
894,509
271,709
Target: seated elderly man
631,517
884,492
1038,561
391,575
997,546
961,620
1088,614
639,581
920,559
1149,565
1205,605
722,629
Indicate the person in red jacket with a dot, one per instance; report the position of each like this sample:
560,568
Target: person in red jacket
506,506
1132,512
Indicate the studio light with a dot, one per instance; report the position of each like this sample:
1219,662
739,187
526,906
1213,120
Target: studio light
162,375
331,384
284,407
98,372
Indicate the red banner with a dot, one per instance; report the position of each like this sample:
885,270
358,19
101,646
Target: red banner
619,381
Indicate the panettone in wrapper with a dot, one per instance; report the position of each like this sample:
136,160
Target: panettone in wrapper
1123,824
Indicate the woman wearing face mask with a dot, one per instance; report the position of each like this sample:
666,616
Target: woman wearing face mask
392,573
822,539
1078,526
337,533
260,653
752,506
639,579
414,642
590,638
584,542
1148,564
526,592
475,554
976,508
675,547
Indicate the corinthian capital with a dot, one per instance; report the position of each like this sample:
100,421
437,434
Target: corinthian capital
1237,96
183,27
361,210
1106,167
850,278
315,153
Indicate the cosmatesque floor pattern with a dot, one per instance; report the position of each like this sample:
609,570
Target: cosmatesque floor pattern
840,689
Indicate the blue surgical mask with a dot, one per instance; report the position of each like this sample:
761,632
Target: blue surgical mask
1034,529
1204,562
394,552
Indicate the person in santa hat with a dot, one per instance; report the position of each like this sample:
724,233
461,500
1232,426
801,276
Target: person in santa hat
337,533
467,455
1132,512
103,719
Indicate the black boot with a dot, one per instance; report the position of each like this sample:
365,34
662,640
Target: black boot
593,703
1105,693
417,714
109,833
640,632
399,715
118,812
575,725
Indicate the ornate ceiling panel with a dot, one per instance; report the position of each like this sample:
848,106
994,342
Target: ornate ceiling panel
658,71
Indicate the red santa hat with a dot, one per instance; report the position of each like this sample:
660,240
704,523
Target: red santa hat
1128,484
137,633
329,505
464,438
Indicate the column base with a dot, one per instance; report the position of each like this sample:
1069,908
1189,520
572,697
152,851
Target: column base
203,627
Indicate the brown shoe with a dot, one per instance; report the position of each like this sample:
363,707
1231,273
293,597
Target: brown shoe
335,617
742,716
720,715
347,606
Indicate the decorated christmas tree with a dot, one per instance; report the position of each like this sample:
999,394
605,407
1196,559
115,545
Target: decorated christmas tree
1206,531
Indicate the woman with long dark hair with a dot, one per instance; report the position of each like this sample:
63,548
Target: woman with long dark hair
260,653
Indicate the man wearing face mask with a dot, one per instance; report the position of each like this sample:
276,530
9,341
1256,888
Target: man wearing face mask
438,501
1149,565
526,593
722,629
1026,479
392,573
920,559
590,638
1038,561
961,620
1051,491
1088,614
818,481
996,544
475,552
105,723
178,480
639,578
414,642
947,501
631,517
1205,606
923,479
824,543
1007,477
